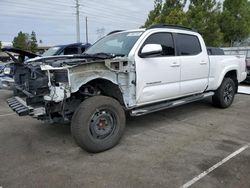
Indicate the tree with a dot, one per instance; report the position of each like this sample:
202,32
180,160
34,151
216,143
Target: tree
33,42
24,41
21,41
227,27
0,45
235,21
203,15
172,12
153,14
169,12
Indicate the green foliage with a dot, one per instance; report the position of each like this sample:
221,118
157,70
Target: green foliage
203,15
0,46
171,12
33,42
21,41
235,20
24,41
153,14
206,16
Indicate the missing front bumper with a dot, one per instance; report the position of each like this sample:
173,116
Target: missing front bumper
19,106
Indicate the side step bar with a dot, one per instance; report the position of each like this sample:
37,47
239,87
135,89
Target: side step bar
19,106
169,104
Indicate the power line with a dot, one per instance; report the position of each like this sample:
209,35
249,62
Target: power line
39,3
30,16
109,18
96,18
92,19
99,14
111,14
108,7
41,8
52,11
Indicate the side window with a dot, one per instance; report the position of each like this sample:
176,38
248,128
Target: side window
165,40
188,44
83,49
70,50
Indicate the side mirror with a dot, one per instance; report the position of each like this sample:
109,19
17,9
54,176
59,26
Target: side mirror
150,50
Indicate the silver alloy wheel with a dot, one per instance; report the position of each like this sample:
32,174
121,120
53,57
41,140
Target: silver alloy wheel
228,93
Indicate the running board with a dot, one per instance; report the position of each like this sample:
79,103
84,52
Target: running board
169,104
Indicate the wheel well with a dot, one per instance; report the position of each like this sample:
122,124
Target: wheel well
233,75
106,88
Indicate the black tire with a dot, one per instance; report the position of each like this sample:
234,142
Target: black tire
98,124
224,95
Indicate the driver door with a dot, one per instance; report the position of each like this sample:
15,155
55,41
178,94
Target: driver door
158,76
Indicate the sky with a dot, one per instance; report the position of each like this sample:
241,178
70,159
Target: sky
54,21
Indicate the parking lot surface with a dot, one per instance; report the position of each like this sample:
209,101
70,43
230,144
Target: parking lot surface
163,149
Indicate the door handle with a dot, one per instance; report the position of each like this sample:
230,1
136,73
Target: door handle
203,63
175,64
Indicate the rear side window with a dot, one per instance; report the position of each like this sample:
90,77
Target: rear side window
83,49
71,51
165,40
188,44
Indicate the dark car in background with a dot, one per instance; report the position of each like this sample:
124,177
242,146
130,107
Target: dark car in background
7,69
69,49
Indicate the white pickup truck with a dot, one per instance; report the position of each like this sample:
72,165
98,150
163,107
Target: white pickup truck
138,71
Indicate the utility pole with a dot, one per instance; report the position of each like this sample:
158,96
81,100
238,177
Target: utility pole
87,37
77,21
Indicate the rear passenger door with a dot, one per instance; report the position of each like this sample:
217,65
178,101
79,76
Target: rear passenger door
194,64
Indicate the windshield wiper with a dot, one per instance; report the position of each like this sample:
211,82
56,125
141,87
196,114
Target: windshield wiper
101,55
119,55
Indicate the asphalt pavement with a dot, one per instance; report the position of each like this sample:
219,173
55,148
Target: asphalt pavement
195,145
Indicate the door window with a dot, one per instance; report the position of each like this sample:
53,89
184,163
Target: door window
70,50
188,44
83,49
165,40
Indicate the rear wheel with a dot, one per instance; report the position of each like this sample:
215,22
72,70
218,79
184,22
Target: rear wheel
224,95
98,124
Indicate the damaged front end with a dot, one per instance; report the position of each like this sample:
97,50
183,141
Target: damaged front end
41,91
50,89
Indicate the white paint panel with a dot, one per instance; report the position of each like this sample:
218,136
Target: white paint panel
220,65
193,86
157,79
159,92
195,71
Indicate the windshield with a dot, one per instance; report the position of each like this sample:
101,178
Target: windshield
117,44
51,51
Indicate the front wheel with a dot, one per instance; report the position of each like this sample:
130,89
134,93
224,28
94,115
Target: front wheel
224,95
98,124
